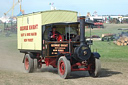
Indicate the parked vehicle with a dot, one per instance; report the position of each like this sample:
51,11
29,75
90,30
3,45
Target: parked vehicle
98,23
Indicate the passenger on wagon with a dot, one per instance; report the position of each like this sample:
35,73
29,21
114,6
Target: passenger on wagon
53,35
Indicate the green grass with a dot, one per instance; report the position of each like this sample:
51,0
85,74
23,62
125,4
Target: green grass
109,49
109,28
2,25
9,43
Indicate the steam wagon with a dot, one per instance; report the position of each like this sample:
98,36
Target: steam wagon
68,52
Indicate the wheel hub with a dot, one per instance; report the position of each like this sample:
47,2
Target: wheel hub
62,68
26,63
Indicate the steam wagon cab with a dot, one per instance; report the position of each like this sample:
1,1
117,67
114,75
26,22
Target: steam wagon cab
56,38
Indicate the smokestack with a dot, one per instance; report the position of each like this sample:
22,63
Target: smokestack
82,30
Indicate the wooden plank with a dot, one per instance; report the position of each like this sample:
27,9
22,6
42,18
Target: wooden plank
122,44
115,42
118,43
126,39
107,35
125,44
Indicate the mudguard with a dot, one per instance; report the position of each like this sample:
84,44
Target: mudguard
31,55
96,55
23,59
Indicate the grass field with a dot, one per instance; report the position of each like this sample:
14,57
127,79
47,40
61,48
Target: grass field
114,63
109,49
109,28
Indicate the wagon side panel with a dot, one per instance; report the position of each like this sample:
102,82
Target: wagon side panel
29,32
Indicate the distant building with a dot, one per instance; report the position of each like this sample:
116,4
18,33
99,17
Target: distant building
5,19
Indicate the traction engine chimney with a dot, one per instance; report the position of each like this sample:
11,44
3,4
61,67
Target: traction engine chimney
82,30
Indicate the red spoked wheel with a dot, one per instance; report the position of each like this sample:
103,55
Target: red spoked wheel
64,67
28,63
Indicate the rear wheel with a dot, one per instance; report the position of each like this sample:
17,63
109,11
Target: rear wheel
64,67
28,64
95,68
35,64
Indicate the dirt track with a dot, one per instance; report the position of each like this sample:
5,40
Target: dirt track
12,71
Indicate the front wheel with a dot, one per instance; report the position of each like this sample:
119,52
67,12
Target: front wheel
64,67
95,68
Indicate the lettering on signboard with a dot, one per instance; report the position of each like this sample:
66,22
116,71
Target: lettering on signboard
55,48
26,28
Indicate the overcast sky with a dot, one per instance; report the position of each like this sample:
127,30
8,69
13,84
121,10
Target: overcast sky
103,7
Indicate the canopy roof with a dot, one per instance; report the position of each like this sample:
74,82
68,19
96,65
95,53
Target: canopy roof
68,23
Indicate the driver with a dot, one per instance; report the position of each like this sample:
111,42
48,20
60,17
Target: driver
53,35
